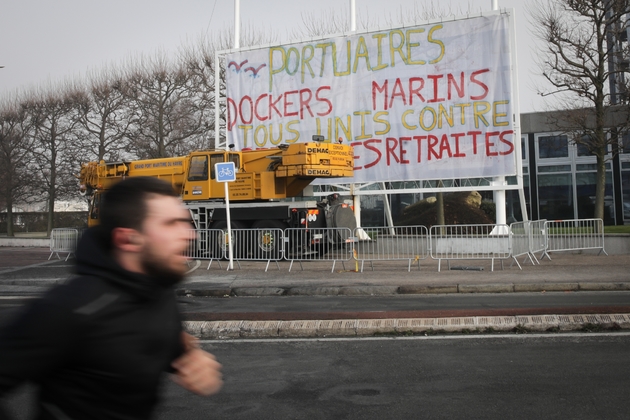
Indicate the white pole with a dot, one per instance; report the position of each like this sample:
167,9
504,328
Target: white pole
229,227
499,195
353,15
237,24
356,199
237,44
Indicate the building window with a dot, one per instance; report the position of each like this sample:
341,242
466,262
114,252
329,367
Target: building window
555,196
625,187
586,185
585,146
550,147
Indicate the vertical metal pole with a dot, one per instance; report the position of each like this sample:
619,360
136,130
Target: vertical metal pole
499,195
229,226
388,211
353,15
217,105
237,44
356,199
237,24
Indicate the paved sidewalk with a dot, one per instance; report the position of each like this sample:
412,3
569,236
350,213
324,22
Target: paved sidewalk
587,271
564,272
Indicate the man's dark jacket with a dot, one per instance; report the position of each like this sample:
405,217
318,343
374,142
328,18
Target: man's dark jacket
96,346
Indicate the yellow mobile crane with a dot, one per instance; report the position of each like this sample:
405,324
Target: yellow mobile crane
263,176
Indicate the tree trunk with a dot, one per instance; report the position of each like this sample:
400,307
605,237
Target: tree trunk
440,208
600,189
440,205
8,193
51,214
10,232
51,201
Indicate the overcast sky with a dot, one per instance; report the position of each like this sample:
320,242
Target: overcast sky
43,42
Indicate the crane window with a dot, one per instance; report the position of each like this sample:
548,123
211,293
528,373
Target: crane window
214,159
198,168
234,157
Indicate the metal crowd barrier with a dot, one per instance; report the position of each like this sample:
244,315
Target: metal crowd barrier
207,244
303,245
528,238
538,238
63,240
574,234
470,242
521,236
402,243
263,244
407,243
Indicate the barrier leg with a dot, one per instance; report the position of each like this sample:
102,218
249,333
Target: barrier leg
210,263
268,262
299,262
516,261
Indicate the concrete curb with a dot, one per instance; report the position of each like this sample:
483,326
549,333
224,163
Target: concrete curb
218,330
402,290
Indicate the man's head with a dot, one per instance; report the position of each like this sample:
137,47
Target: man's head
147,228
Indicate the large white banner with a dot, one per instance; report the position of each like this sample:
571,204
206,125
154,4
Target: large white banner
424,102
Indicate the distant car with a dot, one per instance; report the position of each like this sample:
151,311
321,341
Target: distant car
626,209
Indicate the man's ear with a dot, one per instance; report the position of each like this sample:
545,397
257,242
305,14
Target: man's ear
127,239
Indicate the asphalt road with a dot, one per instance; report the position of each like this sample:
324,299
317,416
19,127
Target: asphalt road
381,307
557,376
403,306
518,377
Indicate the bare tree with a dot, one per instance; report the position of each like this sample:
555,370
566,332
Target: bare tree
167,118
104,115
334,21
15,159
199,60
427,10
53,115
250,36
580,38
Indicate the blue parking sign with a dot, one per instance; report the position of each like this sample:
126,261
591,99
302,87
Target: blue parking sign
225,172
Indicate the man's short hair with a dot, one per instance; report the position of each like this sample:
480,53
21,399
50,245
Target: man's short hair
125,204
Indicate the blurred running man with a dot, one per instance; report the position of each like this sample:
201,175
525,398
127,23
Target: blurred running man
97,346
